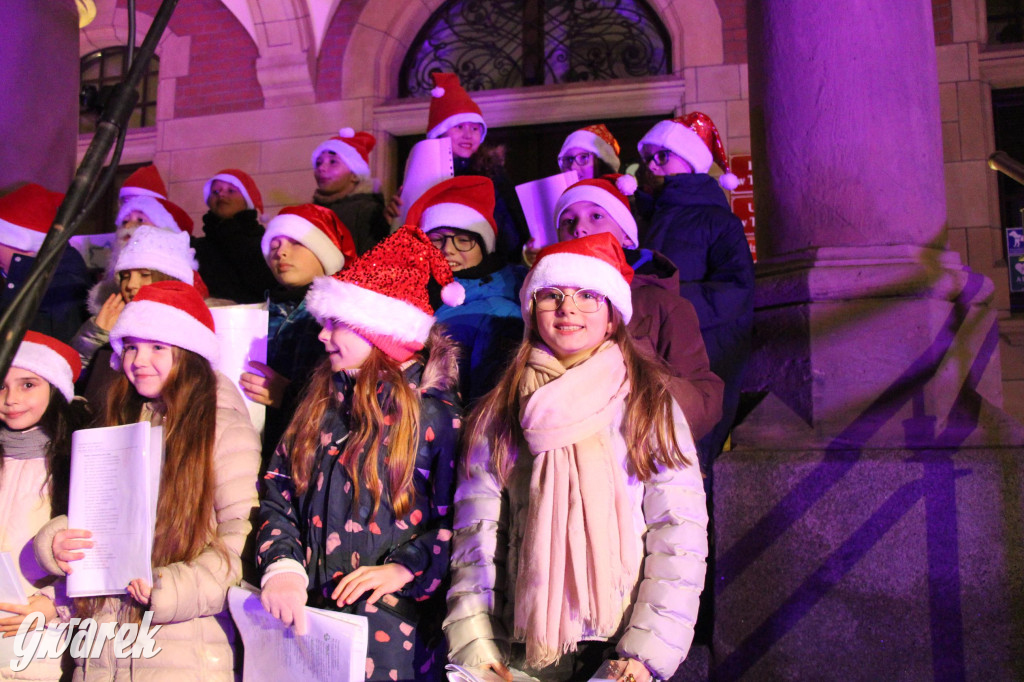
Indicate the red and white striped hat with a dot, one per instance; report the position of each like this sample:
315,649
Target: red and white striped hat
51,359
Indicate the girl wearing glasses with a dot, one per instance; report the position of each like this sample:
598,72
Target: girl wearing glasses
591,152
458,217
580,471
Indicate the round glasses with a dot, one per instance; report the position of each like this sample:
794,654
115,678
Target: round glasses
660,157
581,159
462,242
551,298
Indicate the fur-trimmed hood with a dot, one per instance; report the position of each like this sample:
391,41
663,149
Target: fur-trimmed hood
441,369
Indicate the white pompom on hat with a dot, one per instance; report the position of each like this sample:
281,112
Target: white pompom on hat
609,192
450,106
695,138
53,360
351,147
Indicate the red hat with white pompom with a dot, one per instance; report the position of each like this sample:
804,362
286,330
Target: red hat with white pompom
241,181
53,360
161,213
465,202
596,139
695,138
353,148
146,182
609,192
593,262
383,295
451,106
318,229
26,215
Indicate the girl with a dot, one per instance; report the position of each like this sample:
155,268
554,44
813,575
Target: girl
39,413
592,152
355,510
581,471
165,343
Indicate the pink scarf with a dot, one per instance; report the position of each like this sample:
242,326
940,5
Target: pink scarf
578,557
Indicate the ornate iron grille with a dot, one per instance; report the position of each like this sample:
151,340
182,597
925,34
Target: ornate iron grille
509,43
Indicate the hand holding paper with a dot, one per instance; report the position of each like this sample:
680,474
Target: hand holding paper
66,544
284,597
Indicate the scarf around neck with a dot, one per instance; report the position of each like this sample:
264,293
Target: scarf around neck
28,444
578,559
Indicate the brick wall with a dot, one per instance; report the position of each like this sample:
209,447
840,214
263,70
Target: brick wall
328,68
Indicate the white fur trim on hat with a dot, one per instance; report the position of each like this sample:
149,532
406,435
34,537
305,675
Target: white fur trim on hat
580,272
584,139
304,232
47,363
679,139
157,214
367,311
155,321
21,238
126,193
234,182
616,209
153,248
460,217
346,153
457,119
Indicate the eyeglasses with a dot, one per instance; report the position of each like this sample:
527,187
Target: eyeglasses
581,159
551,298
462,242
660,157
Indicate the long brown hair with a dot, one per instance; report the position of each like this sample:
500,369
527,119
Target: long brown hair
649,425
392,426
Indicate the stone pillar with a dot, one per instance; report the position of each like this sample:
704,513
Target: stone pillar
39,73
868,522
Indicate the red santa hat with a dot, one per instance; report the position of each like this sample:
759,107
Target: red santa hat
695,138
146,181
26,215
596,139
53,360
351,147
465,203
161,213
383,295
153,248
241,181
593,262
170,312
450,106
609,192
318,229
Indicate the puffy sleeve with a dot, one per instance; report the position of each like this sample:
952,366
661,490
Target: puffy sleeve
661,625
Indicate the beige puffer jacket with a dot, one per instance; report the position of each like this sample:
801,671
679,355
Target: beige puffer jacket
190,598
671,519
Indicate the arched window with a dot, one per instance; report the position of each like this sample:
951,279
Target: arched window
104,68
511,43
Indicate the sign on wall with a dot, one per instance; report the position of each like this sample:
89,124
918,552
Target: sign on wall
1015,258
743,197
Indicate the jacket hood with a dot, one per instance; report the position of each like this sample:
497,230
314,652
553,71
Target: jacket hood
691,189
652,268
441,371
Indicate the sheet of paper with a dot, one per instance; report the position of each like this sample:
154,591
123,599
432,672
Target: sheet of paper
538,199
11,589
242,335
156,467
110,495
457,673
333,649
430,162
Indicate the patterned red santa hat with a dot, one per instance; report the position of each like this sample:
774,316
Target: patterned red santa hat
596,139
351,147
593,262
153,248
241,181
465,202
161,213
26,215
171,312
609,192
383,295
146,181
451,106
318,229
695,138
51,359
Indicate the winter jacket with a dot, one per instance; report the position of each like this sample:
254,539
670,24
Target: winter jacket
363,215
487,326
665,324
513,232
671,517
231,260
324,535
693,226
62,308
189,599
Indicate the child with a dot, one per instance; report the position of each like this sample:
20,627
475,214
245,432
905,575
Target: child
355,509
26,215
664,323
458,217
341,166
229,253
580,492
39,413
591,152
300,244
164,341
693,225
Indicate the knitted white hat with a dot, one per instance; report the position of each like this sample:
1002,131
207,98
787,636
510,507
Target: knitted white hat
153,248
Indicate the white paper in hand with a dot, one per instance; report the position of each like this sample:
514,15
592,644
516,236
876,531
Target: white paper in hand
430,162
538,199
242,332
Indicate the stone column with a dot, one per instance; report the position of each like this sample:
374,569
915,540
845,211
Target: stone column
39,73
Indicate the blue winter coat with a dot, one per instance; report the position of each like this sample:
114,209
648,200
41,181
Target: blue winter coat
62,309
